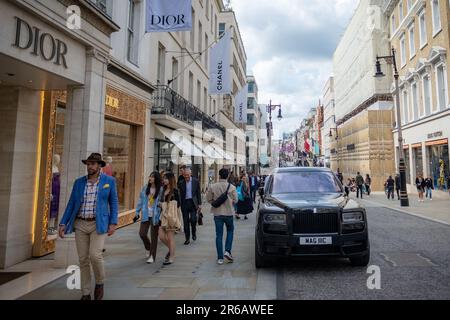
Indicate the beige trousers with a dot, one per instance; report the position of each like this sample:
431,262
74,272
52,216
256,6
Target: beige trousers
90,246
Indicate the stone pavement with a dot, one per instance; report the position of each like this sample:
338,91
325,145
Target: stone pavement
436,210
195,274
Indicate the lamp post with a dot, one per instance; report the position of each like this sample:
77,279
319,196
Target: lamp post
404,201
269,124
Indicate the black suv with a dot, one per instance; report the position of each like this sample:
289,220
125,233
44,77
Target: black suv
304,212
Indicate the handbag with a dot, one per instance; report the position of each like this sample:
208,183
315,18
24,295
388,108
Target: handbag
200,219
169,217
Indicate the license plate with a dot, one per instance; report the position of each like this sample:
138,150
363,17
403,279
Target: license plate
315,241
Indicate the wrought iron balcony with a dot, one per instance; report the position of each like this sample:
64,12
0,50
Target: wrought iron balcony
168,102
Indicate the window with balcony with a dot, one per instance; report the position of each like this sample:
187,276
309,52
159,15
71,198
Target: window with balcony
393,26
400,11
193,31
405,107
200,38
423,29
199,95
161,77
251,103
435,8
207,51
415,102
427,102
133,31
174,74
412,43
191,87
105,6
221,29
403,50
441,87
251,119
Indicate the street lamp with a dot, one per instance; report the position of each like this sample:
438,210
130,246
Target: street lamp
404,201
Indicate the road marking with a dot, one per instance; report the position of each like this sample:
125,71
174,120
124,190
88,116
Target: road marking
378,205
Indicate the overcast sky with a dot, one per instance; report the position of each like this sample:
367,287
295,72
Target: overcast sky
289,46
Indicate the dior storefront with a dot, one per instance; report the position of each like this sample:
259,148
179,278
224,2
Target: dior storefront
57,107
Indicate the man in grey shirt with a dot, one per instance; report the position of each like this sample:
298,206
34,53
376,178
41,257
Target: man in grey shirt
223,215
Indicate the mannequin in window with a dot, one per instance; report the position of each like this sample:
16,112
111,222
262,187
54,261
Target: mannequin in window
108,170
56,187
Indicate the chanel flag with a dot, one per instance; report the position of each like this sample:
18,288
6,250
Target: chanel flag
240,106
219,66
164,15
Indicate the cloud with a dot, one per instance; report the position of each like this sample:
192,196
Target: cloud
289,46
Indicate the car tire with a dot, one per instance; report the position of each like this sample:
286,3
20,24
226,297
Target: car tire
361,260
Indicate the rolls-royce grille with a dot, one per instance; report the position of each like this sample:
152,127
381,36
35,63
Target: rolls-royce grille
306,222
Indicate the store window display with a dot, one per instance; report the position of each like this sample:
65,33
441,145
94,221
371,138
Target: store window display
118,147
56,188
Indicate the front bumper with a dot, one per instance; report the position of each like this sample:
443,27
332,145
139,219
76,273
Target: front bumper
344,245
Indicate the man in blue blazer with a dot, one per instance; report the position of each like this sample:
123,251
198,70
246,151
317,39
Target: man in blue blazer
92,212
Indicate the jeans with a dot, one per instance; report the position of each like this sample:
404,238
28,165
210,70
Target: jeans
428,193
359,191
143,234
220,221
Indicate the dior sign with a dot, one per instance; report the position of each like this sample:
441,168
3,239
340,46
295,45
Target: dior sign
40,43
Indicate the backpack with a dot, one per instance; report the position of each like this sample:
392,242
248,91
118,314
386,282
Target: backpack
221,199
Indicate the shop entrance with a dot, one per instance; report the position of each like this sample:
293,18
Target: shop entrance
438,162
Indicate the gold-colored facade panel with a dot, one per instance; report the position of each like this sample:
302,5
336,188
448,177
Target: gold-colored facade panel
125,107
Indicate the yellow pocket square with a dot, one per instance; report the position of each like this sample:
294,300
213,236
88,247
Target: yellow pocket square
106,186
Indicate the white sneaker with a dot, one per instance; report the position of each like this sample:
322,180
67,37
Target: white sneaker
228,256
150,260
147,254
220,262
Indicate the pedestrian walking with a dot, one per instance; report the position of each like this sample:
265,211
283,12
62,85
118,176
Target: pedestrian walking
92,212
169,222
429,186
390,184
348,186
359,185
222,196
254,183
191,204
420,185
148,205
397,185
368,183
244,205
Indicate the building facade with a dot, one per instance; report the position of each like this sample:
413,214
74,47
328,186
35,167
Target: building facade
363,103
328,131
102,85
419,31
54,88
253,126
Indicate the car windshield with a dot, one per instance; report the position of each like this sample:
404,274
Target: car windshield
305,182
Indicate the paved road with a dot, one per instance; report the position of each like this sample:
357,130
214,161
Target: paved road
413,255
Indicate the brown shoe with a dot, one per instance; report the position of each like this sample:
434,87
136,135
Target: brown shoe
87,297
98,293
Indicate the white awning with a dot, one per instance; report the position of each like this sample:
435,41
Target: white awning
182,140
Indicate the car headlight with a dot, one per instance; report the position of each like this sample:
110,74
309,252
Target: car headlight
275,218
352,217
